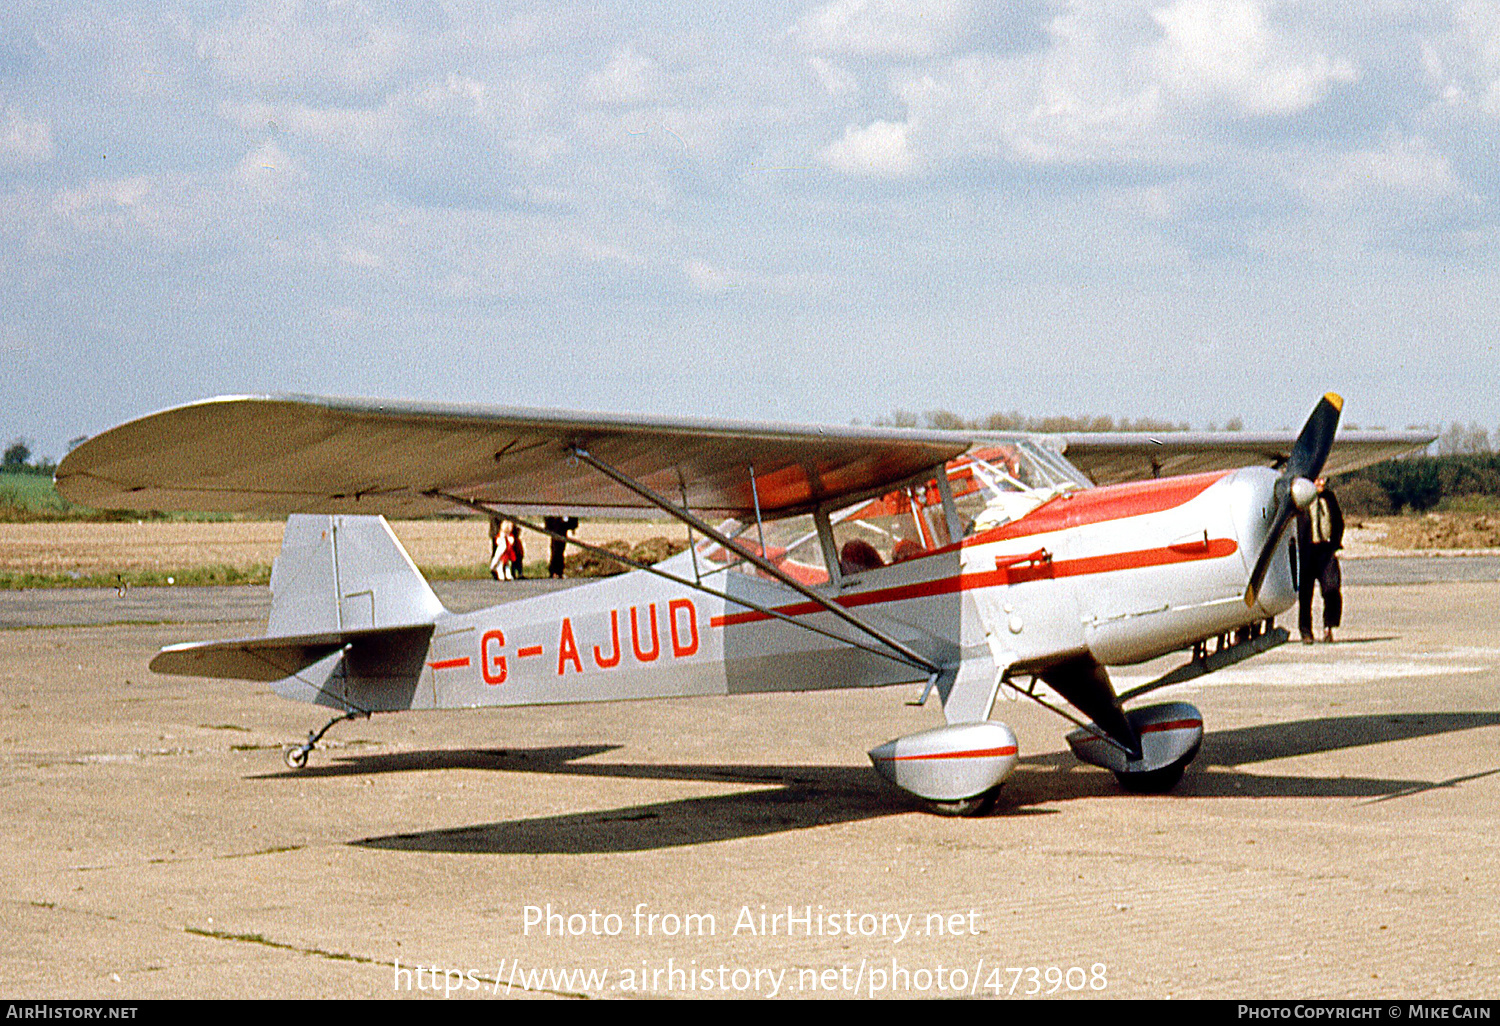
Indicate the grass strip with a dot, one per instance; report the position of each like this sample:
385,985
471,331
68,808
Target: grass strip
193,576
209,575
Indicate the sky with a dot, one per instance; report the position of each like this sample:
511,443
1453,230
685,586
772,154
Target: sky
1192,210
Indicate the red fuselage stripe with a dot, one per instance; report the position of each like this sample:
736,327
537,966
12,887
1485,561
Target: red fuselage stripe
1152,728
449,664
1217,548
982,753
1156,728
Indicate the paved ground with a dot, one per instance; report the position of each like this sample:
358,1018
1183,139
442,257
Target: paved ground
1337,836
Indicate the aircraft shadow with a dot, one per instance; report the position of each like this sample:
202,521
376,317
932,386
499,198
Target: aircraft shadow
844,794
809,796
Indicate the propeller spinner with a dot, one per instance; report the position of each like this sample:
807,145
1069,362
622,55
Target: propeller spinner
1293,487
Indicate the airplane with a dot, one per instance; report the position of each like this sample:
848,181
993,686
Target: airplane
819,558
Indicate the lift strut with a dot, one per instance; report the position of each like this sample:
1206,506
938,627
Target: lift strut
708,531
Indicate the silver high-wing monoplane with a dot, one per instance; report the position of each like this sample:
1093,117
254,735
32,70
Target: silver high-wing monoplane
822,558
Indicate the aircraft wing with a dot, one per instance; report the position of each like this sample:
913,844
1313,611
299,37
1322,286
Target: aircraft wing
1109,458
295,454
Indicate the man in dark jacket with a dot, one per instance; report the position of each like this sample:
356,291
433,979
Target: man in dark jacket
1320,534
559,526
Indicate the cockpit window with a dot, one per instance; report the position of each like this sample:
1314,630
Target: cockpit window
991,485
903,524
996,484
792,546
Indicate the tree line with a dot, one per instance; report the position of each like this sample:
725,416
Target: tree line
17,460
1420,483
1015,420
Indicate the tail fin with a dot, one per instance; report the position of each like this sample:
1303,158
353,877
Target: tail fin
344,573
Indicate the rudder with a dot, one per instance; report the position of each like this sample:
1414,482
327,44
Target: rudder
341,573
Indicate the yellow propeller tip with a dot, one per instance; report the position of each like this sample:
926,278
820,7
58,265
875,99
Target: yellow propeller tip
1335,400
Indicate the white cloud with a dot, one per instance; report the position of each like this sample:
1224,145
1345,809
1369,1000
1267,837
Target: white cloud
1463,63
92,205
455,94
628,78
1091,168
1226,52
705,277
12,339
147,214
887,28
268,173
276,44
1401,174
834,79
1114,82
23,140
881,148
357,130
356,256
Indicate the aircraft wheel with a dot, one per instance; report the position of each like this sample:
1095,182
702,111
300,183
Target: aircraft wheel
296,758
1156,781
975,806
1153,782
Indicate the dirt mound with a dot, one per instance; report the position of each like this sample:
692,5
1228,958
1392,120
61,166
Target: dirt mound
593,564
654,550
1444,531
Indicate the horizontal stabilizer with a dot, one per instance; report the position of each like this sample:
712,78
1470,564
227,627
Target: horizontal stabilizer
270,659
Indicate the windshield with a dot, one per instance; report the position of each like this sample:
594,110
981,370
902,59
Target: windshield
996,484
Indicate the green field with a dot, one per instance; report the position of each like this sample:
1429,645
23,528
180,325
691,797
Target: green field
33,494
31,497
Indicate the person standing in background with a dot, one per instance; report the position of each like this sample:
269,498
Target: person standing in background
507,556
518,560
558,526
497,543
1320,534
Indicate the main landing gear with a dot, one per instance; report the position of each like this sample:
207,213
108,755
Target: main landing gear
296,758
1170,735
956,770
978,805
1158,781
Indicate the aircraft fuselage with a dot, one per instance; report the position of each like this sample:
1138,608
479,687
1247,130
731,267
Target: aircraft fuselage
1121,574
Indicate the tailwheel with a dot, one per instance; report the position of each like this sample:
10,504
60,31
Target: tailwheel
296,758
978,805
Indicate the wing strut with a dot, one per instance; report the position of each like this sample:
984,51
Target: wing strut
708,531
490,509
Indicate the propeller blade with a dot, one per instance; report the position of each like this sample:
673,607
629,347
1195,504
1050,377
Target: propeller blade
1283,515
1309,453
1311,449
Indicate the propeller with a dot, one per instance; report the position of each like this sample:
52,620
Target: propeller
1294,488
